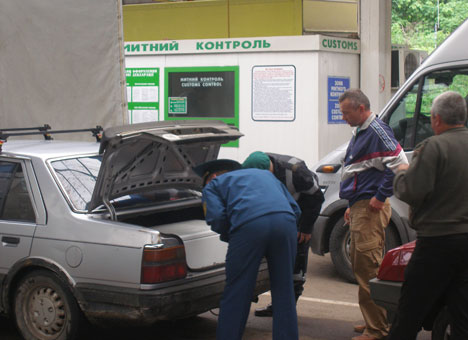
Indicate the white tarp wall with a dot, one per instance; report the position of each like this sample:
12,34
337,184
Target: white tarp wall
61,63
307,132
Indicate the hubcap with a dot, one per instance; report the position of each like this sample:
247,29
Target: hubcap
347,246
46,312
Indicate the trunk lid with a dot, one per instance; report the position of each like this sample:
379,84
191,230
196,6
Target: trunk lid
157,155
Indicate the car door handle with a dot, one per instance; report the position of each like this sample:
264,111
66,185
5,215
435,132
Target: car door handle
10,241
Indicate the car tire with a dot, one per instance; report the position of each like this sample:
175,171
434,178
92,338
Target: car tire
45,309
392,238
441,327
339,250
339,247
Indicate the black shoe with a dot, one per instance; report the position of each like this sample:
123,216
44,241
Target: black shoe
265,311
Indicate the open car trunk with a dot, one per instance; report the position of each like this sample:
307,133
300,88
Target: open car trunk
143,175
204,250
146,178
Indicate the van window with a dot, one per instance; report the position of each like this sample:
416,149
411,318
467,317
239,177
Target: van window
402,117
411,119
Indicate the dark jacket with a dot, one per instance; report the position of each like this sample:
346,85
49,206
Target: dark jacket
302,184
436,184
372,155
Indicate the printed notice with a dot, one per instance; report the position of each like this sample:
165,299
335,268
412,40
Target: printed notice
142,116
274,93
143,94
336,87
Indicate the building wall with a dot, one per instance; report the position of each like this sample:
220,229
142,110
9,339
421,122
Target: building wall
212,19
337,16
309,134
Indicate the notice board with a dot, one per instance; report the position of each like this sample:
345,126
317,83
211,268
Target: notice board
202,93
143,94
336,86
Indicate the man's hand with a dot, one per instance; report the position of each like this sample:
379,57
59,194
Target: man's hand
346,216
375,205
402,167
303,237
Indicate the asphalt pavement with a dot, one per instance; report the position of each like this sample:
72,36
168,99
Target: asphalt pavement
327,310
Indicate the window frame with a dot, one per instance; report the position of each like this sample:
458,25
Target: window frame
32,188
418,81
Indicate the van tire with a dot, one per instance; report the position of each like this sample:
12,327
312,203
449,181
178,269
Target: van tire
339,250
339,247
59,317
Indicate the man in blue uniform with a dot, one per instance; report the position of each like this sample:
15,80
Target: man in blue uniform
256,215
303,186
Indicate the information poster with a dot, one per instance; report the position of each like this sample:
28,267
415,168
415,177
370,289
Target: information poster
203,93
336,87
274,93
143,94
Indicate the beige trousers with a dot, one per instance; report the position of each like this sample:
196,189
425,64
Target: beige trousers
367,243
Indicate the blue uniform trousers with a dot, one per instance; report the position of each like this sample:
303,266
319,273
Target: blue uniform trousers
275,237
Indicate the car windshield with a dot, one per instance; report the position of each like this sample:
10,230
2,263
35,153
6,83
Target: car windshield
78,176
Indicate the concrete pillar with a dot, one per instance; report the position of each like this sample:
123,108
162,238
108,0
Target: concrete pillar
375,33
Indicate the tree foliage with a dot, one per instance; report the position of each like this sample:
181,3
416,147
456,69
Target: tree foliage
422,25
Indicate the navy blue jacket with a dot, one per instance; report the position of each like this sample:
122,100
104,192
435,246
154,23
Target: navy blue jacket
237,197
372,155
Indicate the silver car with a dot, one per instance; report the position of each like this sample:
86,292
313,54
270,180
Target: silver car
111,231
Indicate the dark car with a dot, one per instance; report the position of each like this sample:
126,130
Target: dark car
385,291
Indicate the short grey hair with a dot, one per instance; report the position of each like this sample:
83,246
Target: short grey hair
451,107
356,97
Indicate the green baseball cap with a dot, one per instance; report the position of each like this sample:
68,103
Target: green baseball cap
257,159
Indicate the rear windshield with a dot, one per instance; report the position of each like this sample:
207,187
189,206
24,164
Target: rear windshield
77,177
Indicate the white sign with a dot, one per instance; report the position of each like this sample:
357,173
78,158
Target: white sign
274,93
241,45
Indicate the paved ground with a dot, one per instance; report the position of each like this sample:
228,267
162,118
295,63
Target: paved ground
327,311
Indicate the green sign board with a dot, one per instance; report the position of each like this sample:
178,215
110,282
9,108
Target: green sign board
203,93
177,105
143,94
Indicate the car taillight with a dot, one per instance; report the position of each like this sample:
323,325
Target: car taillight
394,263
163,264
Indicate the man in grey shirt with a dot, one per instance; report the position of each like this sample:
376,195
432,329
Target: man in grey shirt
435,185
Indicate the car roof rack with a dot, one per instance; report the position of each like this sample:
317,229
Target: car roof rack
46,132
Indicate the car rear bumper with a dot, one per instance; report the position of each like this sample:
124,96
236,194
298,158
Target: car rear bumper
386,294
110,305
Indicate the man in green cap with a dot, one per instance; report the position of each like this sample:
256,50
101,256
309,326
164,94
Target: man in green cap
303,186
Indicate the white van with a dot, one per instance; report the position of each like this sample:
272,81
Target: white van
408,114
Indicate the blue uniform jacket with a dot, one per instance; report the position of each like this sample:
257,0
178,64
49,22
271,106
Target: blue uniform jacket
237,197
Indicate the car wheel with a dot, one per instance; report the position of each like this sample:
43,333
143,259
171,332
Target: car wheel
441,327
339,250
45,308
392,238
340,242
